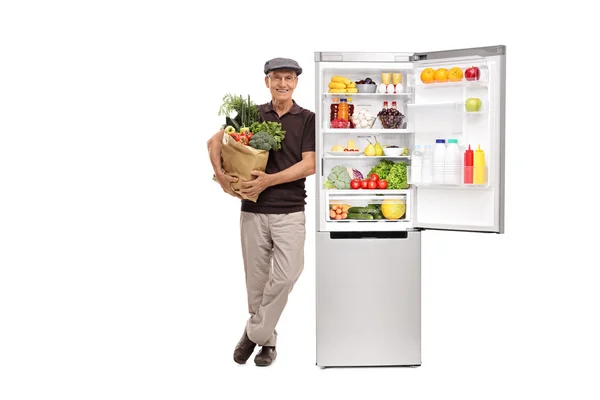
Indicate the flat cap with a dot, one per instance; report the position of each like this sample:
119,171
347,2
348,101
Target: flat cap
282,63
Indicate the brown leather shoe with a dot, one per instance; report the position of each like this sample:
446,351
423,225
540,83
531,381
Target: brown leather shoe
266,356
243,350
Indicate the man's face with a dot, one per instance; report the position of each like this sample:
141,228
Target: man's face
281,83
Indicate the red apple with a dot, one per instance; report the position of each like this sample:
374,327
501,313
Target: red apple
472,74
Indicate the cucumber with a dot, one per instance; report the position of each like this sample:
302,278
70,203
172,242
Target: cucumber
363,210
360,216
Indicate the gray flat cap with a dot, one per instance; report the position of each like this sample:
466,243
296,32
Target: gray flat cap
282,63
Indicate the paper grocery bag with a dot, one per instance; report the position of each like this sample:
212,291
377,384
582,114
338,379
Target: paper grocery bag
238,160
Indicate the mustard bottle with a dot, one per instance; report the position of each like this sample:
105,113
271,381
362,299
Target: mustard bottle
479,167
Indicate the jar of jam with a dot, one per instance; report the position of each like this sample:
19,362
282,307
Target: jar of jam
343,110
333,114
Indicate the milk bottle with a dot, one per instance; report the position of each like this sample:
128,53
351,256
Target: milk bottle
439,157
452,163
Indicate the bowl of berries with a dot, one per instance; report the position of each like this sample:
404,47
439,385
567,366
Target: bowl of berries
338,123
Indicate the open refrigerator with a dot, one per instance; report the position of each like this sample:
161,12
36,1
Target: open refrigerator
368,271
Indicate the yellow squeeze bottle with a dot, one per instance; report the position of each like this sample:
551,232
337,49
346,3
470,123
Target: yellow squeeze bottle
479,167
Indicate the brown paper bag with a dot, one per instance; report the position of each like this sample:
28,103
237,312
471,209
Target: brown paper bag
239,159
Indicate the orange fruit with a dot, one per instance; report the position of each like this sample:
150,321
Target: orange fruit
441,75
428,75
455,74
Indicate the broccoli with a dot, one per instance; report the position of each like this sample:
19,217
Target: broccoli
262,141
338,178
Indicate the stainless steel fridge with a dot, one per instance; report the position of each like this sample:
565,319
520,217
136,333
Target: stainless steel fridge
368,259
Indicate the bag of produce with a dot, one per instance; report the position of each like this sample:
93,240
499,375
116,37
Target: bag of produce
247,142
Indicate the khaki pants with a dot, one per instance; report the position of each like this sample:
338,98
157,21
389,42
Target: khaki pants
273,252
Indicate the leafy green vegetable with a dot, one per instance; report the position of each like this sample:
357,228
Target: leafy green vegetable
262,141
338,178
271,128
382,169
397,178
247,112
394,173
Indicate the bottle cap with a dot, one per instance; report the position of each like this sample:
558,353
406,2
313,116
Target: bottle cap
440,140
342,99
452,141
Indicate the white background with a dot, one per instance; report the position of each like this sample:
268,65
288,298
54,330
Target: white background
121,274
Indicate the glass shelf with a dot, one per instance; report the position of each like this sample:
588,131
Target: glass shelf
363,157
366,192
366,131
403,94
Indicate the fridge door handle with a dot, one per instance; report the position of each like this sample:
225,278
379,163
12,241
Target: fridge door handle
369,235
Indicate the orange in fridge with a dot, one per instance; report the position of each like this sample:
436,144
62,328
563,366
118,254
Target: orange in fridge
428,75
455,74
441,75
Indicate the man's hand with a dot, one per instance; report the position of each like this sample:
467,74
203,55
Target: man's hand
255,187
225,181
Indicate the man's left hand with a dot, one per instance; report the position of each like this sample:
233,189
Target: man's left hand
255,187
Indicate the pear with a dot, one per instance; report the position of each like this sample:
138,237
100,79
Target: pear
378,148
370,150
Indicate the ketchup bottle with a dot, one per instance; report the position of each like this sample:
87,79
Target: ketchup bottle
468,174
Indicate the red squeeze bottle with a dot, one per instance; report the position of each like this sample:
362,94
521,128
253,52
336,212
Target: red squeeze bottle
468,166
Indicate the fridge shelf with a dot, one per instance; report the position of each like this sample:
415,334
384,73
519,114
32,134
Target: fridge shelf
403,94
438,85
366,131
354,157
334,193
422,106
463,186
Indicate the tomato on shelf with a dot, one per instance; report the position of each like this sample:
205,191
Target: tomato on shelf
355,183
372,184
374,177
364,184
382,184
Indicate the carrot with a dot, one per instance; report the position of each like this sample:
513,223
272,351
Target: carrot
334,207
338,217
338,211
332,214
344,215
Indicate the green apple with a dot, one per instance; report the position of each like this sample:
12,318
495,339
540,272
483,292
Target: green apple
473,104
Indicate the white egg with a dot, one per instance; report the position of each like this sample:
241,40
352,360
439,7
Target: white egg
381,88
364,123
368,115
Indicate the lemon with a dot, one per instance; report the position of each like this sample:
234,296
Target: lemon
393,209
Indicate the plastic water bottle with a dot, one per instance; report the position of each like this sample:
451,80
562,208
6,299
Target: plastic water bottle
439,157
416,165
452,163
426,175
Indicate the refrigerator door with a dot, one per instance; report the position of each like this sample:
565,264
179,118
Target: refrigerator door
368,299
450,201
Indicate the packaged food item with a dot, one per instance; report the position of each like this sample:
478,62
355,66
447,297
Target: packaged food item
343,110
333,113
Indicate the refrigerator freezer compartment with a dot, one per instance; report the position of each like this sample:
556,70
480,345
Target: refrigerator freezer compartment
368,290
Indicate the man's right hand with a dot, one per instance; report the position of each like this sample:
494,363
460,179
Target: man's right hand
225,181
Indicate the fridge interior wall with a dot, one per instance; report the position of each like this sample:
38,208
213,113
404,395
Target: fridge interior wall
329,137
